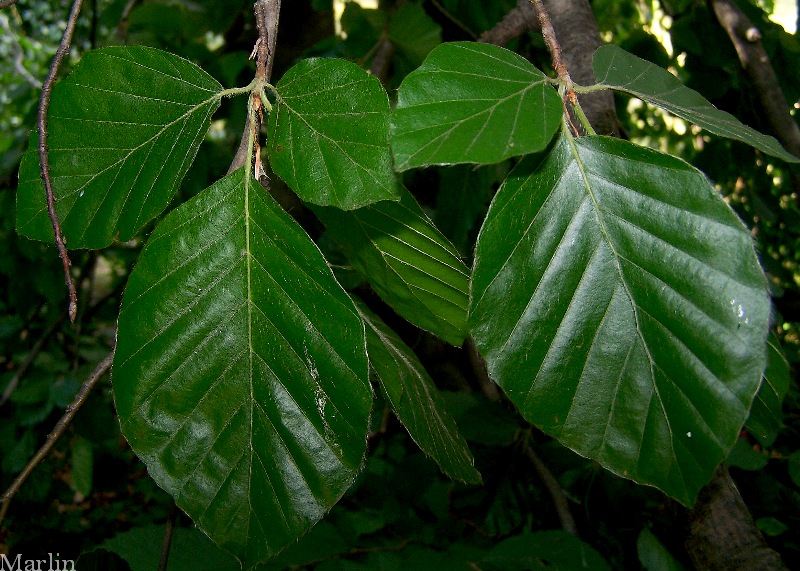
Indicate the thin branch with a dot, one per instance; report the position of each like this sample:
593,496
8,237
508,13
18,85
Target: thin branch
57,433
30,358
19,56
7,3
520,19
44,104
552,43
267,13
555,491
169,527
458,23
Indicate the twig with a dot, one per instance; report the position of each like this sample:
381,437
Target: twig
382,60
169,527
552,44
58,431
267,13
19,55
44,104
453,19
30,357
7,3
513,25
554,489
122,25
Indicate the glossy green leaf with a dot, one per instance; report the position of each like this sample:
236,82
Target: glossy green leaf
329,135
472,103
766,417
622,71
416,401
619,303
124,127
407,262
240,375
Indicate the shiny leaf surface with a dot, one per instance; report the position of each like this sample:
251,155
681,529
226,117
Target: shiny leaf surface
416,400
408,262
472,103
240,375
618,301
622,71
124,127
329,134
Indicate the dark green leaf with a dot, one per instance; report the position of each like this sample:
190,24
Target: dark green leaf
416,400
82,465
794,467
240,375
771,526
472,103
765,417
619,303
621,71
408,263
543,550
124,128
413,34
653,555
190,549
329,135
744,456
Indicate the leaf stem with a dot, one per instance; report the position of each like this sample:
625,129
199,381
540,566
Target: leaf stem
41,121
582,117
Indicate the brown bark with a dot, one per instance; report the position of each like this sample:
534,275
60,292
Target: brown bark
721,533
514,24
746,38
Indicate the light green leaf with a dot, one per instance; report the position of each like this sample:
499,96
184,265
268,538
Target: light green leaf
240,375
619,70
124,127
619,303
329,135
472,103
766,417
408,262
416,400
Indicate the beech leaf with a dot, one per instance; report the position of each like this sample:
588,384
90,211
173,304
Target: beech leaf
240,375
329,135
472,103
416,400
619,303
623,71
124,127
408,262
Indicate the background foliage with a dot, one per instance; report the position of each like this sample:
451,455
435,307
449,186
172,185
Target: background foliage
93,496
